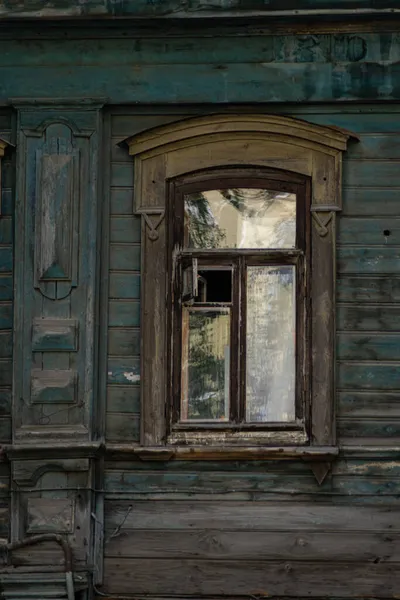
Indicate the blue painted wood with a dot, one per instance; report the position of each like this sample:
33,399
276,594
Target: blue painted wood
121,399
124,257
361,260
123,370
126,228
373,318
368,289
239,83
124,314
368,376
369,232
124,285
369,346
123,342
121,201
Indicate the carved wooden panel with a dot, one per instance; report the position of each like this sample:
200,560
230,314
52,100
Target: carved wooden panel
50,515
58,335
56,216
55,257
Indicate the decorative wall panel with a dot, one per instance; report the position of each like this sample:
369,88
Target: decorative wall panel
57,214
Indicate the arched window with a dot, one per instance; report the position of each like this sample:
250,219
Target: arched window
238,285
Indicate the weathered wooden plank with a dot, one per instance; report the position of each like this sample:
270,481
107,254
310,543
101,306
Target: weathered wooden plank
368,122
368,289
125,229
373,428
369,404
6,288
363,317
123,370
124,285
242,545
371,346
140,120
5,372
367,467
368,376
5,344
46,553
122,427
205,48
124,257
6,230
123,399
122,175
360,201
5,431
211,577
5,402
373,146
123,342
174,8
360,260
121,201
240,83
250,516
369,232
206,482
7,202
6,259
124,314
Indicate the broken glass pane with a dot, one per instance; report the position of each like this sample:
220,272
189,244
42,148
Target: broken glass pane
205,364
270,344
240,218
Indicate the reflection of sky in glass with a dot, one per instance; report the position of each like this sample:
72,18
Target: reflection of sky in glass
240,218
270,343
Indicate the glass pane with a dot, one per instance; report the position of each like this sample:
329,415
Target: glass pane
205,364
240,218
270,344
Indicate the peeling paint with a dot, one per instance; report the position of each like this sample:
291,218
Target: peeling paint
131,377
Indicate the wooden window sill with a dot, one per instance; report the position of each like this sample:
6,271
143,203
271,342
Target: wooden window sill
165,453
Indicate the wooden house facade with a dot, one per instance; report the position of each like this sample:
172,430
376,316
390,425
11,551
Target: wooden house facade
199,299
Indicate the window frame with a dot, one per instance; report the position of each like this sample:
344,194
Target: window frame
249,140
237,430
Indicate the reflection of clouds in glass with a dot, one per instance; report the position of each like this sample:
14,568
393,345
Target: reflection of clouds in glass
241,218
270,344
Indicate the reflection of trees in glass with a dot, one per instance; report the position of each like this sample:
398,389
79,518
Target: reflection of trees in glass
244,218
206,367
204,231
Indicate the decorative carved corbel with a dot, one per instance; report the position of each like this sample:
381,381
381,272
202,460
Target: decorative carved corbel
148,213
322,215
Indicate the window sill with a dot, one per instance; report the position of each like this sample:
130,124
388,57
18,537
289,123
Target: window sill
166,453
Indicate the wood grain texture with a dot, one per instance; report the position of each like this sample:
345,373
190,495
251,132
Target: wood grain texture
174,8
210,577
259,545
250,516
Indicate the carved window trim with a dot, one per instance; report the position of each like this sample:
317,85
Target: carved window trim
245,140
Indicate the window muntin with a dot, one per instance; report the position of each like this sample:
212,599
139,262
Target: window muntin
219,241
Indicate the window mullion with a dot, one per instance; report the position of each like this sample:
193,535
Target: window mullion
242,339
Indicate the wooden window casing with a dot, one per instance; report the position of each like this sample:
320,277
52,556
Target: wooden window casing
248,142
237,430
